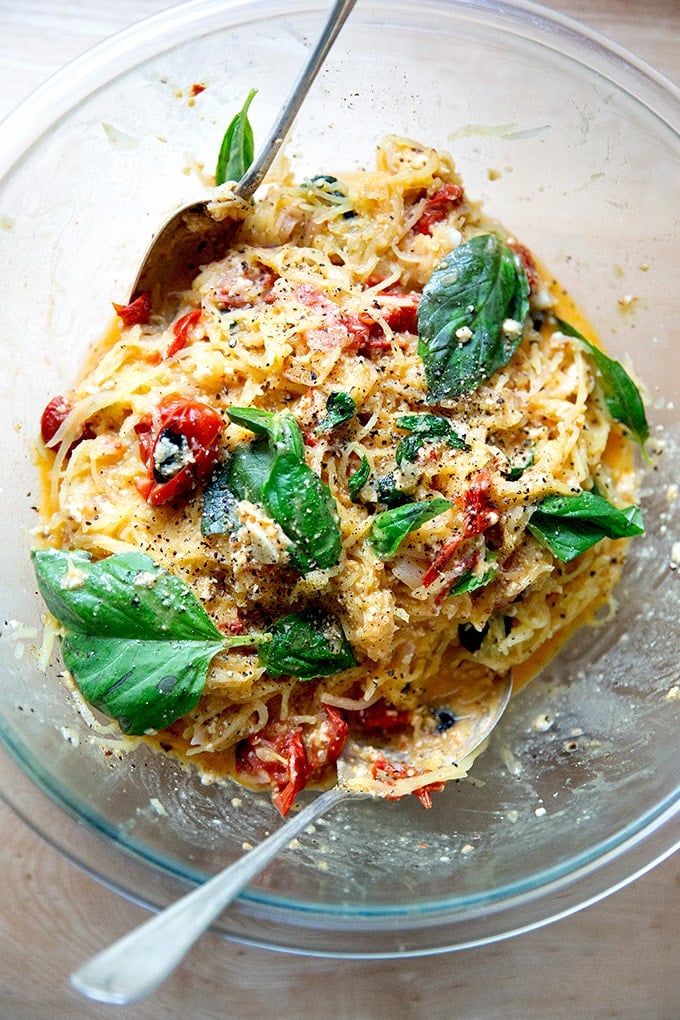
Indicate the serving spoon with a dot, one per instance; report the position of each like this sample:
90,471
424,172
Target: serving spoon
194,234
133,967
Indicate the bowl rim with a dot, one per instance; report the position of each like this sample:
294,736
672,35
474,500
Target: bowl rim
644,844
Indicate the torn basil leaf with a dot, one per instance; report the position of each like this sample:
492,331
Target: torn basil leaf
390,528
568,525
280,427
340,407
515,471
248,468
388,492
136,639
471,581
272,471
621,395
425,428
471,316
238,147
302,504
358,478
306,645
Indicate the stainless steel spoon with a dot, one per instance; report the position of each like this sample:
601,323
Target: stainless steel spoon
192,236
137,964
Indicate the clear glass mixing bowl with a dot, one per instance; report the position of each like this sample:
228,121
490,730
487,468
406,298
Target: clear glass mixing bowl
576,147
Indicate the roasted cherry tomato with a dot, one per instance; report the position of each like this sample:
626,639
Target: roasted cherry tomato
181,330
53,417
438,206
179,445
137,313
291,757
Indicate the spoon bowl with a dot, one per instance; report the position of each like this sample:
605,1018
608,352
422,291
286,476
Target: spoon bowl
200,232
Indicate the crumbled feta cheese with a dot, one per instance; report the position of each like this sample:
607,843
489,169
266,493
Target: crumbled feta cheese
511,327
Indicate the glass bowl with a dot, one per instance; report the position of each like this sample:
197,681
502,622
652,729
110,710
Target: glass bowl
575,146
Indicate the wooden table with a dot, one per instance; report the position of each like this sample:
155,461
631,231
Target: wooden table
616,959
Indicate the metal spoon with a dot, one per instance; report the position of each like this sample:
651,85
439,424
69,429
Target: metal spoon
192,236
137,964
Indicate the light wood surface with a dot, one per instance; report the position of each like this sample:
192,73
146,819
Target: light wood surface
618,959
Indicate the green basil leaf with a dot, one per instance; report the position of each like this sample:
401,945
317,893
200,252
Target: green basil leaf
303,506
358,478
425,428
249,467
515,472
568,525
133,683
465,304
218,515
470,581
306,645
280,427
238,146
621,395
387,491
137,640
391,527
340,407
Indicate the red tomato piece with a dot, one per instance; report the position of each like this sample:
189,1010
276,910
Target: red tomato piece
178,443
293,756
325,746
181,331
478,511
438,207
137,313
479,515
382,716
385,771
53,417
528,264
402,317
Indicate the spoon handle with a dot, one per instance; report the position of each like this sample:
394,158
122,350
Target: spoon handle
134,966
256,173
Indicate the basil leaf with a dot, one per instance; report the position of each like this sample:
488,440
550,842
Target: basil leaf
621,395
137,641
387,492
515,472
280,427
425,428
391,527
306,645
358,478
568,525
277,477
303,506
218,515
238,146
462,314
472,582
340,407
249,467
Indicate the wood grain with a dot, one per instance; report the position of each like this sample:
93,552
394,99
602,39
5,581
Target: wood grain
618,959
